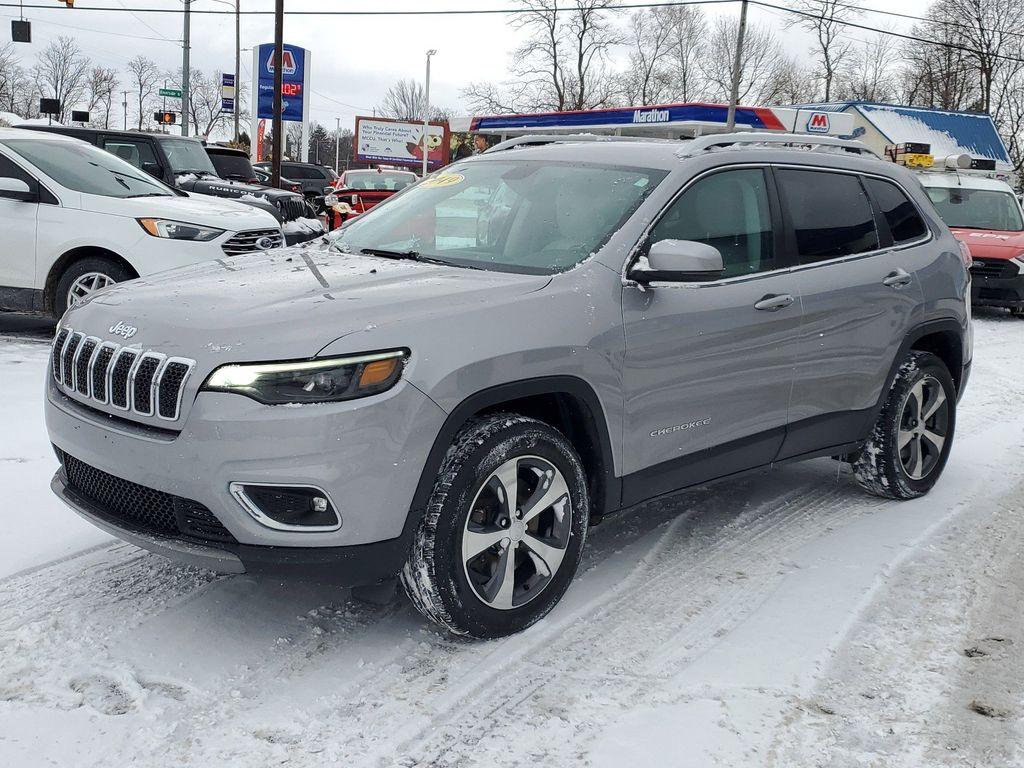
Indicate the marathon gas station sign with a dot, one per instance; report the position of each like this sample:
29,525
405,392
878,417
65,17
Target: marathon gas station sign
666,117
295,71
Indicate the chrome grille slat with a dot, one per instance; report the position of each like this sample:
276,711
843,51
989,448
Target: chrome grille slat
245,242
142,381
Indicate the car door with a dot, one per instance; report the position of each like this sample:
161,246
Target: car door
138,152
709,366
860,298
18,224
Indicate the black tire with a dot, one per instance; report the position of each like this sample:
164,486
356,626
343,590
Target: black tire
1017,311
880,467
112,269
437,580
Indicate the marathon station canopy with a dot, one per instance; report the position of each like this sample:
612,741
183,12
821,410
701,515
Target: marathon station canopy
668,121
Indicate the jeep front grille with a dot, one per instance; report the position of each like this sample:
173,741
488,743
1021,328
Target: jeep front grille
245,242
292,208
145,382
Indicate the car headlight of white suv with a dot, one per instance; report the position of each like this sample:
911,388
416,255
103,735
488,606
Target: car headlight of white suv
311,381
180,230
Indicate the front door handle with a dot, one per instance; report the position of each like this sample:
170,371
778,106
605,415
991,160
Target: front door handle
774,302
900,278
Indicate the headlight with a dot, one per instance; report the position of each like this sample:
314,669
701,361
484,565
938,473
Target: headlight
311,381
179,230
1019,261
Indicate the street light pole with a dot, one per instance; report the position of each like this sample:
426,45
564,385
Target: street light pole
275,155
337,145
238,64
184,68
730,123
124,103
426,114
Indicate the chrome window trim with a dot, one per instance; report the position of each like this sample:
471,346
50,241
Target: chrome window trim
634,252
237,490
181,390
161,359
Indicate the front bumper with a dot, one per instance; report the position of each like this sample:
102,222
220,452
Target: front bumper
1004,289
366,454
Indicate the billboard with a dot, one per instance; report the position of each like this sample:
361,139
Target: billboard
295,79
380,140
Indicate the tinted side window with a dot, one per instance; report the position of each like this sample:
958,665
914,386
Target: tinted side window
905,223
138,153
830,212
730,211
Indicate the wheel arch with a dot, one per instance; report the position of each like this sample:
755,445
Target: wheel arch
70,257
566,403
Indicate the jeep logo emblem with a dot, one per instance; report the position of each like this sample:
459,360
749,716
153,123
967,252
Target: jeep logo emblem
121,329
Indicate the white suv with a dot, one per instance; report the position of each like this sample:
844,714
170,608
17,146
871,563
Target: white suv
74,219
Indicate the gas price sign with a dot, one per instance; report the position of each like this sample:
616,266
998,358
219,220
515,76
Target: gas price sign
293,84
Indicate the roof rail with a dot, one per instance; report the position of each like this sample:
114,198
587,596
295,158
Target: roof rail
793,140
539,139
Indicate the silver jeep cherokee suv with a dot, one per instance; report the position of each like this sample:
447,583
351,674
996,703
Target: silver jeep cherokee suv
455,384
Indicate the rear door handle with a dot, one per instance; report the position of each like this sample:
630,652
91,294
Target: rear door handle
774,302
898,279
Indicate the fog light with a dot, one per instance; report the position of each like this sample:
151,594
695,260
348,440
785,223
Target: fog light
288,507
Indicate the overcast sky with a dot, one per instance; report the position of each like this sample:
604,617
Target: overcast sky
355,59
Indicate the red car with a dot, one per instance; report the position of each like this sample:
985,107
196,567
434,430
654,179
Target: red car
357,191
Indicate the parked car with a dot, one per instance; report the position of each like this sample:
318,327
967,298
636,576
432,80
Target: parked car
183,163
264,177
454,385
360,190
75,219
311,176
985,214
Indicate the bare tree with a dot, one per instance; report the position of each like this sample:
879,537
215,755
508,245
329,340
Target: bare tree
647,78
870,74
10,70
204,97
688,28
405,100
760,75
100,90
562,64
61,72
938,75
145,75
824,20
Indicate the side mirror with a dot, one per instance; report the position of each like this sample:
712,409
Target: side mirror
328,190
679,261
15,189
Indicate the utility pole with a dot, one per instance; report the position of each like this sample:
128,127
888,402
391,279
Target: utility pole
184,68
124,103
426,114
275,155
238,64
730,123
337,145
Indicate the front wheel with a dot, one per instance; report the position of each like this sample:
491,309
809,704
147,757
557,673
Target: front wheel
504,528
84,278
911,440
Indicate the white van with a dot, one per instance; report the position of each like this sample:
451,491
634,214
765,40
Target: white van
74,219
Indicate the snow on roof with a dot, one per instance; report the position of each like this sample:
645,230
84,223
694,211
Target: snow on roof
947,131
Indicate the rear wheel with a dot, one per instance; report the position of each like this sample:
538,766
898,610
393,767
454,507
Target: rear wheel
504,529
911,440
84,278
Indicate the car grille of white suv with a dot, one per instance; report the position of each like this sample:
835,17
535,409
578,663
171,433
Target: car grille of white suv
144,382
246,242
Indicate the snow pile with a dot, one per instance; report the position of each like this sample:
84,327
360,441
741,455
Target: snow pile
303,225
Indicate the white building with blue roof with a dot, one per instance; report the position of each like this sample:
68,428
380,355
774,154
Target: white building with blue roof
948,132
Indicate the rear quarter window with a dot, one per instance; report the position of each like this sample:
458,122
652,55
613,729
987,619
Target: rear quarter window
830,213
905,223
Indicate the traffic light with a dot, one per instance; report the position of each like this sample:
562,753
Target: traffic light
165,118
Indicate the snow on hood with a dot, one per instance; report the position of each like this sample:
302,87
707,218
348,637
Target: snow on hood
286,303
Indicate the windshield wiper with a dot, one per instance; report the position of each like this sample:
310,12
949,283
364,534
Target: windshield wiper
410,255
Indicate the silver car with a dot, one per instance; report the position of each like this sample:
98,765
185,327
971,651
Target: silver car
453,386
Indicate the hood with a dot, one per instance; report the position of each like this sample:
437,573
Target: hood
991,244
194,209
284,304
213,185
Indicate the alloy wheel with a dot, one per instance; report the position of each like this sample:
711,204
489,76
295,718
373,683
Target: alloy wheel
86,285
924,427
517,531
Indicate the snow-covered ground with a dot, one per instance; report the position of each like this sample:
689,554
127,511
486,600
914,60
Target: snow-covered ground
783,619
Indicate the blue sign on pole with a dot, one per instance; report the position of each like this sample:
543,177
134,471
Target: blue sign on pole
293,86
227,105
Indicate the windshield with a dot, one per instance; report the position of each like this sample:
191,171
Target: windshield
232,166
977,208
378,181
517,216
85,168
187,156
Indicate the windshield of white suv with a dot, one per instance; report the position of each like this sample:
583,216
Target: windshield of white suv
187,156
977,208
85,168
505,215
